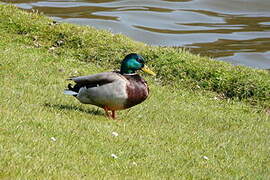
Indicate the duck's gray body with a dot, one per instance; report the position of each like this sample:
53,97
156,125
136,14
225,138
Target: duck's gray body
110,90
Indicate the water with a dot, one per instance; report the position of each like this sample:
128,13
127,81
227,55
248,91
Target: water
236,31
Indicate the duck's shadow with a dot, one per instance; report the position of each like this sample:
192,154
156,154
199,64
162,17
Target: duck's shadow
74,108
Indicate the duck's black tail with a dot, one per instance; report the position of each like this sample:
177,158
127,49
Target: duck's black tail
71,90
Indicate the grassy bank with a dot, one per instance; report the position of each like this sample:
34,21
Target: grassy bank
182,130
173,65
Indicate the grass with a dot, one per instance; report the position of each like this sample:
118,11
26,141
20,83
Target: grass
186,129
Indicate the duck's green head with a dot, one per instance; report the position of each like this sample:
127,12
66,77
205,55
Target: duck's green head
132,63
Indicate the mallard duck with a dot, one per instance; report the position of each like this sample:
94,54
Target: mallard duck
115,90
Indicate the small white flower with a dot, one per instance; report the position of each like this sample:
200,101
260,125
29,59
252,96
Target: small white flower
205,157
134,163
52,48
53,138
115,134
114,156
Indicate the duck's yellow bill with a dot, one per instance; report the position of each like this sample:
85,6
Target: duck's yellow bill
147,70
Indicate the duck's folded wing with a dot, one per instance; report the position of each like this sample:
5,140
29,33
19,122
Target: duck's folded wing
103,78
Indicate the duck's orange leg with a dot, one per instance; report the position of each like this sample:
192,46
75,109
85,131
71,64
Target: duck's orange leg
110,115
106,109
113,114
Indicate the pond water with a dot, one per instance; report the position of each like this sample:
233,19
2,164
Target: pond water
236,31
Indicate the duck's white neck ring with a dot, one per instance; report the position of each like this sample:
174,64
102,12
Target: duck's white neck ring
130,74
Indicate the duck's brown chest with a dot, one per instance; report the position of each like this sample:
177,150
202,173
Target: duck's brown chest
137,90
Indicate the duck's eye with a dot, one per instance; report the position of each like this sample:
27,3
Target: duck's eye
140,60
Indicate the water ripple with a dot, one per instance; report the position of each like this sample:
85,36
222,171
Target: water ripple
234,31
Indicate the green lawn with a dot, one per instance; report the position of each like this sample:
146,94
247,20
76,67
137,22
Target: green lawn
185,130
